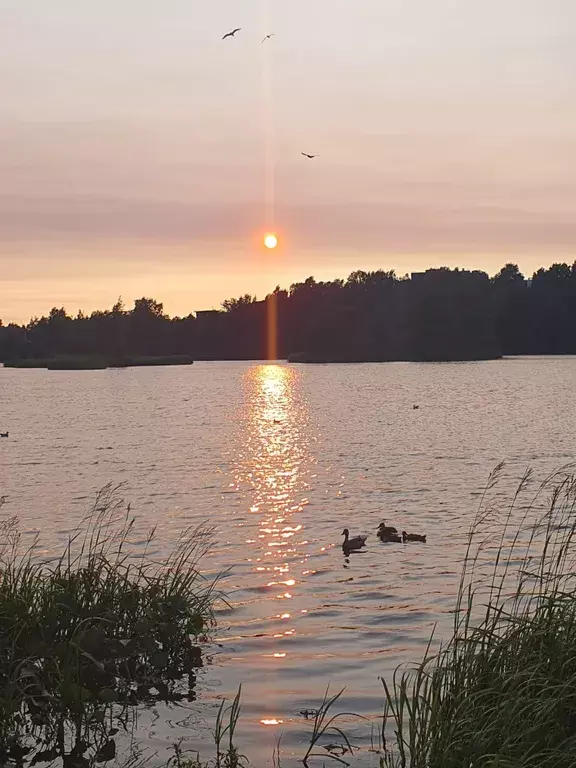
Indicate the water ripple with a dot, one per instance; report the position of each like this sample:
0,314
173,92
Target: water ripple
279,459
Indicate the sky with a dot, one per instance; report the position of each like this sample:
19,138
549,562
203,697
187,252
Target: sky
141,154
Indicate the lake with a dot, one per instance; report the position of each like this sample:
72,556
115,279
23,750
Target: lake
279,459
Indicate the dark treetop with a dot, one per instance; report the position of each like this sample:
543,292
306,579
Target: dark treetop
440,314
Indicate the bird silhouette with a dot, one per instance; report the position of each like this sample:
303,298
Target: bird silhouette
310,157
231,34
350,545
268,37
413,537
388,534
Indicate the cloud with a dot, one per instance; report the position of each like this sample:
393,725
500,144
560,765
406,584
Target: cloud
386,227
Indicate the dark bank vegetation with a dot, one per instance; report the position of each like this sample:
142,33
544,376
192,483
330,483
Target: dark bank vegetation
95,362
440,314
87,637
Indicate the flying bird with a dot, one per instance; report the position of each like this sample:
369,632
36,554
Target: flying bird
231,34
310,157
268,37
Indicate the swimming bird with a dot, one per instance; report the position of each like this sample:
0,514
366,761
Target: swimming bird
413,537
268,37
357,542
388,534
310,157
231,34
4,434
389,538
383,528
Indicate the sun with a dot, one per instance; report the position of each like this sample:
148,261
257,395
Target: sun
270,240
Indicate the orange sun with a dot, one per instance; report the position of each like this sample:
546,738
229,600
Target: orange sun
270,240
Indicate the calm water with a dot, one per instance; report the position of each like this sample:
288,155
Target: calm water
280,459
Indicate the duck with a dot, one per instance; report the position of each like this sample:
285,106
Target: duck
387,537
413,537
349,544
4,434
386,529
388,534
415,407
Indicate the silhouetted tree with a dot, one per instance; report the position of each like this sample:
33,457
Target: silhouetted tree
441,314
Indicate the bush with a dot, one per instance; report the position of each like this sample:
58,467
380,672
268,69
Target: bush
97,627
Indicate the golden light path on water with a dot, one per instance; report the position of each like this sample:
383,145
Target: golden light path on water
275,463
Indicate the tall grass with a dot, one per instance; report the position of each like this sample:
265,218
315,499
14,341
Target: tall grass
227,754
97,627
89,635
502,691
324,724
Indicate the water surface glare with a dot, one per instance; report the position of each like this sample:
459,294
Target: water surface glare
279,459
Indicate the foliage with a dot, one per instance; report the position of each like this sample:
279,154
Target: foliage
324,724
440,314
502,691
97,629
89,636
227,754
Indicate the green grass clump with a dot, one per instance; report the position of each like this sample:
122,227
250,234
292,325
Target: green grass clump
95,629
502,692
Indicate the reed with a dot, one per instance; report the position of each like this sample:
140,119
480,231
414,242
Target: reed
502,691
89,635
325,724
99,627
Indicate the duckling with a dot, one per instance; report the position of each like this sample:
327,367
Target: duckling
357,542
413,537
387,537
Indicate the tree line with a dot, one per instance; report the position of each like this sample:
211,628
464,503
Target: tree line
440,314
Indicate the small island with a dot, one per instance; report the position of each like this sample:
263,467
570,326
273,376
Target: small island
95,362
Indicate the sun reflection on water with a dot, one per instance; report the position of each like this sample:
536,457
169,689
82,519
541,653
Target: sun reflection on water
274,462
273,466
270,471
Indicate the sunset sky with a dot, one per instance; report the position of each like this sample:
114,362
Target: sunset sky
142,155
